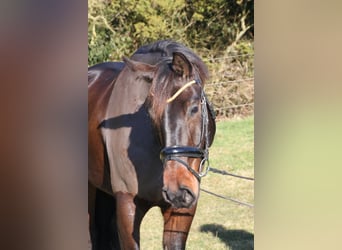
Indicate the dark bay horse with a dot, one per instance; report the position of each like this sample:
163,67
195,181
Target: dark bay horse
150,127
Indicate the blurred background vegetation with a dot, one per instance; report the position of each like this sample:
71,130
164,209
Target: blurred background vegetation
221,32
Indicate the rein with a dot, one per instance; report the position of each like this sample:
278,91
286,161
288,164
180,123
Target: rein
174,152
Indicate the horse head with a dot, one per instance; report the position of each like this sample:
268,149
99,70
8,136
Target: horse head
183,122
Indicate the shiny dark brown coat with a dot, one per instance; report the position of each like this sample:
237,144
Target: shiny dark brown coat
129,123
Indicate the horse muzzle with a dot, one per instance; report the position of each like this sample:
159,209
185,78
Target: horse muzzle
177,192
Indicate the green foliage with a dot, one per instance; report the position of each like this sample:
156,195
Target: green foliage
106,29
218,23
119,27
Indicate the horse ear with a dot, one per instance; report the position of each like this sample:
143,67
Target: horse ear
146,70
181,65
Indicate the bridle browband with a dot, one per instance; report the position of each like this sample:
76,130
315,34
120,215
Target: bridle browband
180,91
173,153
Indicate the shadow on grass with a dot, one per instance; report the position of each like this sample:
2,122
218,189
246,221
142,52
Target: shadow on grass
234,239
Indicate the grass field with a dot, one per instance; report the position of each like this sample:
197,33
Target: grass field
219,224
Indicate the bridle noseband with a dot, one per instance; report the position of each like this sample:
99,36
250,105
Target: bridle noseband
174,152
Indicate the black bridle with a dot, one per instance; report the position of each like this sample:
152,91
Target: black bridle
174,153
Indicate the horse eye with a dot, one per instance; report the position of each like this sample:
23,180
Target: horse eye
194,110
148,79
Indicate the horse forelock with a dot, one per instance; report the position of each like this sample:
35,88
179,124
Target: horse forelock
162,89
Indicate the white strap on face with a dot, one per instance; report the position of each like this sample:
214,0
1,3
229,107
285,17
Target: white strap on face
180,91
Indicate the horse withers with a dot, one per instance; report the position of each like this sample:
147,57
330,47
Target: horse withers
150,127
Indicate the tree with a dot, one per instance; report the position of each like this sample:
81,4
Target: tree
119,27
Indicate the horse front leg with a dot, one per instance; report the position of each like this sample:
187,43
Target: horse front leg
177,224
102,224
129,214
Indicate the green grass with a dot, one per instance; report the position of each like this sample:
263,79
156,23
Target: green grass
219,224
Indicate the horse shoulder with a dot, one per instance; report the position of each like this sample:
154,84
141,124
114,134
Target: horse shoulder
101,79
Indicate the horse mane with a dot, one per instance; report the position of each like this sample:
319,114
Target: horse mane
154,52
161,52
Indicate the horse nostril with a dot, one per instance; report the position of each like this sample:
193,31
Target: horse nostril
183,197
187,196
168,196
